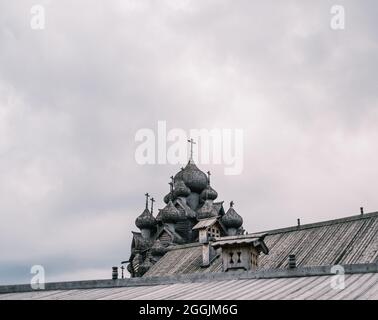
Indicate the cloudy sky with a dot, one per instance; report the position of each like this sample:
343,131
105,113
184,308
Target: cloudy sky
73,96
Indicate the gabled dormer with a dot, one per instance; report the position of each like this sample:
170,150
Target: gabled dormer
241,252
209,229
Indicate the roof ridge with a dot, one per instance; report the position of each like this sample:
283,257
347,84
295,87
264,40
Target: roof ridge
321,223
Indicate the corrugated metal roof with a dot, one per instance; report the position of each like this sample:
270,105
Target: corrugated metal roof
357,286
349,240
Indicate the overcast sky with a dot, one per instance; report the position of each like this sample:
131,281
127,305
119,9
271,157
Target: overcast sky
73,96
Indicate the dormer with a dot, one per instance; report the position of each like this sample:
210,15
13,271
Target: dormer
241,252
209,229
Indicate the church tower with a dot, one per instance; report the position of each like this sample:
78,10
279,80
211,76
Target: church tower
190,215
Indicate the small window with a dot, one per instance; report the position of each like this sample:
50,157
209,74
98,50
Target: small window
231,260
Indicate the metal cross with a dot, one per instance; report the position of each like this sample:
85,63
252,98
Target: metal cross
147,196
152,204
191,141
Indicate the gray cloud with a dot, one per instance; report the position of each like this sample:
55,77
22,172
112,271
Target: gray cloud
73,96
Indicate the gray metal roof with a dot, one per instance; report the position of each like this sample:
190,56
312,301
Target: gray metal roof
316,287
349,240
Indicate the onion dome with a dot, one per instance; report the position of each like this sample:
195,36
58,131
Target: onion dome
168,198
158,249
207,210
193,177
170,214
209,194
179,175
146,220
181,190
170,195
232,219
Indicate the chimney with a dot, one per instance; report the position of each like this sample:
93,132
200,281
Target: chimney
362,211
208,253
292,261
114,273
299,222
207,250
207,231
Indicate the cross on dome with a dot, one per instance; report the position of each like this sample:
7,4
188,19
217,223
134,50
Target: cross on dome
191,141
147,196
